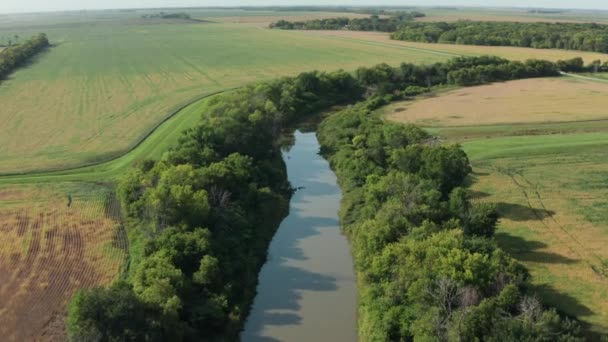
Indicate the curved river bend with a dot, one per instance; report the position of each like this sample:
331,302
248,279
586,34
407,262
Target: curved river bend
306,289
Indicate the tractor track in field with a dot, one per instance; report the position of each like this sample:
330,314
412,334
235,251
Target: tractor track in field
531,194
57,250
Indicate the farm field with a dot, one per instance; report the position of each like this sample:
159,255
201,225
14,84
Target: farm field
550,100
101,91
547,178
452,50
264,18
84,112
511,14
51,247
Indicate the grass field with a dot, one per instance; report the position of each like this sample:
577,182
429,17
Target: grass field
50,250
549,179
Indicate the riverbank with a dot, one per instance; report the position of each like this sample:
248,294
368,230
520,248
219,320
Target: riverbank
307,289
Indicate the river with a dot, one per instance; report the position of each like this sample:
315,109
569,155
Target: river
306,289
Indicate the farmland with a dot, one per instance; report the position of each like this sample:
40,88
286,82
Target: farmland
539,151
511,14
101,92
53,246
116,89
550,100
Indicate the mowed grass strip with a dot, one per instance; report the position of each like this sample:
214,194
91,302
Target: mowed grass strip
103,87
549,179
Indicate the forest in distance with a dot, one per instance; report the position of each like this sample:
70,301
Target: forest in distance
402,25
373,23
567,36
199,220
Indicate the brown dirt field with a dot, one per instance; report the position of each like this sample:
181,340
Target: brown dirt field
512,53
49,251
523,101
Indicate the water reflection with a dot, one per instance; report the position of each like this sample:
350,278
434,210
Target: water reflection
307,288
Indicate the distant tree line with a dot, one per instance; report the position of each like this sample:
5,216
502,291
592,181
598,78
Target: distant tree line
163,15
16,55
462,71
373,23
546,11
578,65
375,10
568,36
200,219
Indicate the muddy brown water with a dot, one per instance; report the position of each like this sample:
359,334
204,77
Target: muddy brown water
306,289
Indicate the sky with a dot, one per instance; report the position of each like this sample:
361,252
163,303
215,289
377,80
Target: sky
12,6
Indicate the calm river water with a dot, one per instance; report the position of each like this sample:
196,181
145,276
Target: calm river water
307,287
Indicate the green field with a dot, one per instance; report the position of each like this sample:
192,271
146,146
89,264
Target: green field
105,85
112,77
549,180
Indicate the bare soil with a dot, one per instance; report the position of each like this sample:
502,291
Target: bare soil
48,254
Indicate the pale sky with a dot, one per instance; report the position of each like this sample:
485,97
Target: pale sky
10,6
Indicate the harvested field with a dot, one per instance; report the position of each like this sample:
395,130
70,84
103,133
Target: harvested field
513,53
50,250
523,101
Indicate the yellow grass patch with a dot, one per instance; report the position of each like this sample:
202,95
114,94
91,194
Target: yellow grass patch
49,251
522,101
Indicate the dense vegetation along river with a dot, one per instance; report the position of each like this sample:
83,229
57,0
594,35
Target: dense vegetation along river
307,288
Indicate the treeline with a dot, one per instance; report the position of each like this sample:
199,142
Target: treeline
14,56
163,15
578,65
200,220
463,71
428,266
373,23
568,36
